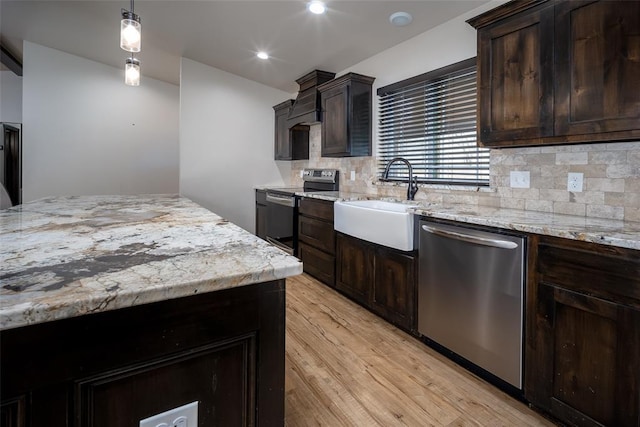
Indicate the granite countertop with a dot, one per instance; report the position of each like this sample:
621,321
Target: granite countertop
625,234
70,256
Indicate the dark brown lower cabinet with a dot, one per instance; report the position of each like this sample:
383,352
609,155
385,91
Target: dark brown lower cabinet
583,346
317,239
354,267
317,263
394,286
261,214
223,349
381,279
12,412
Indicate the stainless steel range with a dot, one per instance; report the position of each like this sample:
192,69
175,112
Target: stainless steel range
282,207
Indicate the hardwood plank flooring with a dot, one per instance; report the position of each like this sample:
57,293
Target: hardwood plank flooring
347,367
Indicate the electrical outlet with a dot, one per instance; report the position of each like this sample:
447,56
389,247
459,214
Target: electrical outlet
353,175
520,179
574,182
183,416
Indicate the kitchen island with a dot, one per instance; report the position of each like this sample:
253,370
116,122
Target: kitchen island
116,308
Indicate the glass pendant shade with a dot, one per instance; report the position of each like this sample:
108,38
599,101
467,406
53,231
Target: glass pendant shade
132,72
130,32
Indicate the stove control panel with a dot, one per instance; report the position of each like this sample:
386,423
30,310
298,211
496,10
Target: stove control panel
320,175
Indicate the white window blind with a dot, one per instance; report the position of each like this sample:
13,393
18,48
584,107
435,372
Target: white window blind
430,120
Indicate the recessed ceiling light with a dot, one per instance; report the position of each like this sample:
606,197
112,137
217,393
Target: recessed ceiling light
262,55
316,7
400,19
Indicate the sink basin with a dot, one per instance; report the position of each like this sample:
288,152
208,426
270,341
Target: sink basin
385,223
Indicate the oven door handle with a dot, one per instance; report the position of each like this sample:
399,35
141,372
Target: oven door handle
496,243
279,245
279,200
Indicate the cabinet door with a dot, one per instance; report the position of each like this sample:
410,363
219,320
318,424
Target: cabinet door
394,287
106,400
588,359
354,267
515,77
597,67
283,148
582,360
335,126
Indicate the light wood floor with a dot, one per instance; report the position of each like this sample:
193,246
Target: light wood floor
347,367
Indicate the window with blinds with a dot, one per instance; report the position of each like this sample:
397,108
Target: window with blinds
430,120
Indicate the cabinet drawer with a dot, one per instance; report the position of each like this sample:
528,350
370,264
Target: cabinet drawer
318,264
317,233
601,271
322,209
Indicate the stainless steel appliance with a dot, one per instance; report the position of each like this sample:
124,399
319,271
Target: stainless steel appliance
470,295
282,207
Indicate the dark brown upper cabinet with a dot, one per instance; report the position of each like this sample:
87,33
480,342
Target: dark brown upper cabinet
558,72
289,143
515,97
598,67
346,116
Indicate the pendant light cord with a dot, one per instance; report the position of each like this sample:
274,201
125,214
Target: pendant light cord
132,12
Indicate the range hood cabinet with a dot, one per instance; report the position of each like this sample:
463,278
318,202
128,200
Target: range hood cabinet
306,109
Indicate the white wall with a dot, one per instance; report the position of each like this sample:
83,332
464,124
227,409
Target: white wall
10,97
450,42
86,132
446,44
226,141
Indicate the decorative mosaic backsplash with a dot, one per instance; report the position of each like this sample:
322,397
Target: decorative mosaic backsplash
611,179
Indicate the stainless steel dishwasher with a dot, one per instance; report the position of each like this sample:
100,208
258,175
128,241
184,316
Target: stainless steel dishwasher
470,295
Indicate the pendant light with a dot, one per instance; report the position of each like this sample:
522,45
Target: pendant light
130,37
132,72
130,30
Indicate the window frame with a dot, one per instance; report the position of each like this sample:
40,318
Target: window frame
422,85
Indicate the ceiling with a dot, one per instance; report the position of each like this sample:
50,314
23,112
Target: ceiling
225,34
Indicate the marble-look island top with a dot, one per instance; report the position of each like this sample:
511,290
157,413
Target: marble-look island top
70,256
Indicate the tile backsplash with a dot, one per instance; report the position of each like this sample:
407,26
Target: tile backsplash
611,186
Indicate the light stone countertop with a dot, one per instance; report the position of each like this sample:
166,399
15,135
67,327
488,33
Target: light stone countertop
70,256
625,234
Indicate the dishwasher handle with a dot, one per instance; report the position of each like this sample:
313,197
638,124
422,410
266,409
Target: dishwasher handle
496,243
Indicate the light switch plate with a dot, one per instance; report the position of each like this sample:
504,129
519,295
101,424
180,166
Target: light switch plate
520,179
183,416
353,175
